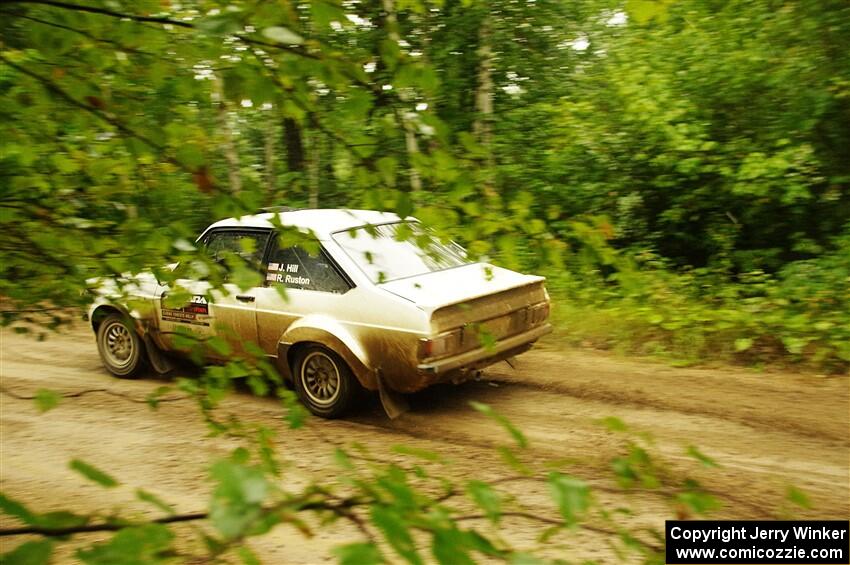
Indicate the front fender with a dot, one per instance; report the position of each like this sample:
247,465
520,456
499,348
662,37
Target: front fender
333,335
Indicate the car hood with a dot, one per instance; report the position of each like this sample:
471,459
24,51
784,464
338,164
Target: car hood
431,291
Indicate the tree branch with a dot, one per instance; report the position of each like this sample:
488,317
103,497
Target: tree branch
103,12
101,527
156,20
117,124
80,32
553,522
81,393
340,508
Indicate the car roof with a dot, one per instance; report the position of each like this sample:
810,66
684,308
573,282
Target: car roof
321,222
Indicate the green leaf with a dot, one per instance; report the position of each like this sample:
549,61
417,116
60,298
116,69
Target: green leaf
219,345
247,556
220,24
504,422
60,520
92,473
358,554
237,498
139,545
521,558
14,508
644,11
342,459
417,452
614,424
571,495
190,154
798,497
46,400
510,458
486,498
450,547
283,35
153,399
151,498
394,528
29,553
701,457
743,344
696,499
243,276
326,12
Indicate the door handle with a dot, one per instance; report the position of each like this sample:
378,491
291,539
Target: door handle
245,298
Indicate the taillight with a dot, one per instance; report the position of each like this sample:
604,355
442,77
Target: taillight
438,346
539,313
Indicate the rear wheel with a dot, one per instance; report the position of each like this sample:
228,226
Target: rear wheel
323,381
120,347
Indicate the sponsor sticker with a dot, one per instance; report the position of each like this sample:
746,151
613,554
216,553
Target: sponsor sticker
195,313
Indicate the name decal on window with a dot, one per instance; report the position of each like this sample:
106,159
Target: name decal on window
279,272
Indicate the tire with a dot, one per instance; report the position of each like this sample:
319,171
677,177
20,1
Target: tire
120,347
323,381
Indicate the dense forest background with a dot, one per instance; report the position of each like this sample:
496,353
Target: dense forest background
679,169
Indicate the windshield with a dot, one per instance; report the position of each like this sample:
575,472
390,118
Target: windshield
394,251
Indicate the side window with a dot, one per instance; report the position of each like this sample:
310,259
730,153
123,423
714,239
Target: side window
249,245
293,267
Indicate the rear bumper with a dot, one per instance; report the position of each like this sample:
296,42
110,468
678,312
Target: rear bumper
483,356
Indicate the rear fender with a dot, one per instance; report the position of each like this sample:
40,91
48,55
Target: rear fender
331,334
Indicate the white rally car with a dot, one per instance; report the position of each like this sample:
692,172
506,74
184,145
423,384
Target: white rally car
383,305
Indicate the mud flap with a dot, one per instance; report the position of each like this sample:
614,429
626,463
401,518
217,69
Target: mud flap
394,403
160,363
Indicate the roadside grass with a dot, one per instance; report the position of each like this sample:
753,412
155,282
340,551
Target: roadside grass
610,328
682,330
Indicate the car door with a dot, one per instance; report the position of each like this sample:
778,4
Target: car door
312,284
228,313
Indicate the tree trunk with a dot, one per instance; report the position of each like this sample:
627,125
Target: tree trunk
483,126
293,141
231,153
271,134
412,146
405,117
314,142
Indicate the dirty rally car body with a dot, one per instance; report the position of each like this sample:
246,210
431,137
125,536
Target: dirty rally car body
367,311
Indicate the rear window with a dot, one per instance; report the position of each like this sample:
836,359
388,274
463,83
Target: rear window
389,252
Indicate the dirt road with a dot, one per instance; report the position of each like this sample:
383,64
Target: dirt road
767,431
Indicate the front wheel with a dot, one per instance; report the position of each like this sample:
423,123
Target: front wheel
120,347
323,382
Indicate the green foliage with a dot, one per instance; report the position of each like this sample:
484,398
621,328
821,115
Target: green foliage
153,499
29,553
92,473
409,507
798,497
358,554
46,400
682,178
706,461
515,433
148,544
571,495
486,498
238,498
725,214
797,315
